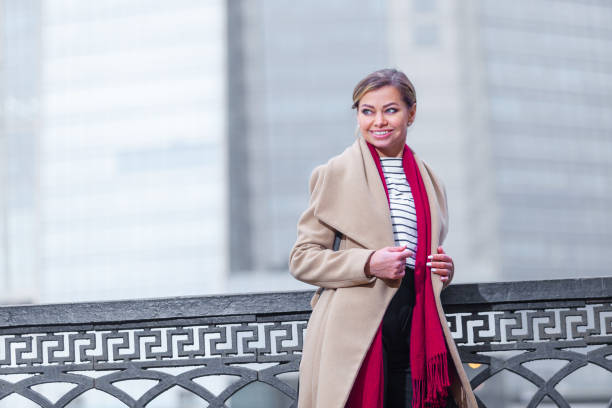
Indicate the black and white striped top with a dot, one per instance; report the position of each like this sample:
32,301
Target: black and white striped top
401,203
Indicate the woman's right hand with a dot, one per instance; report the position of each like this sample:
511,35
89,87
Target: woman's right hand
388,262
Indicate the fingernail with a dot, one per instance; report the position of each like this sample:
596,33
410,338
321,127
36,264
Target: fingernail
430,257
433,269
428,263
444,278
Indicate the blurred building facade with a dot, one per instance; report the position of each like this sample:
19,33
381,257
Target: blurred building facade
292,68
548,82
114,138
516,94
511,102
20,84
143,137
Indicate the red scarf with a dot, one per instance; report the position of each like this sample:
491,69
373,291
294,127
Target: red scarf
428,354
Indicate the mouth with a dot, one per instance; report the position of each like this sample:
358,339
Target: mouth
381,134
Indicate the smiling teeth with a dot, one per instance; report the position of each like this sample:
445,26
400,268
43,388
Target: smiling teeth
381,132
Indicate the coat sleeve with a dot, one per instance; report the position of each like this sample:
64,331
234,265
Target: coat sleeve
313,261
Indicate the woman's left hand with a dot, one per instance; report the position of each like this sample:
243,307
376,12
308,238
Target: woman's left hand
442,264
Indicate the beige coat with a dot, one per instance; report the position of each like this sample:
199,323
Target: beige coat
347,195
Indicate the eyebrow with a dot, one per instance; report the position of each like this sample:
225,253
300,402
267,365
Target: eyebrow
384,106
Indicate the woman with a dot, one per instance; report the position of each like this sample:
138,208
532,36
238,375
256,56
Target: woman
377,335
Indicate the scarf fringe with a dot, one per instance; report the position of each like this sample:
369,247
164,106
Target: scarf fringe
437,373
432,392
418,393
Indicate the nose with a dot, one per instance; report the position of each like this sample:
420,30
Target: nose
380,120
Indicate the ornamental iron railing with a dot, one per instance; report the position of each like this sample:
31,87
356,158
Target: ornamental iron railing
523,344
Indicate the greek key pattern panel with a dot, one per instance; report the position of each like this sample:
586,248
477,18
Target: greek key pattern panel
247,349
579,337
282,340
589,324
271,341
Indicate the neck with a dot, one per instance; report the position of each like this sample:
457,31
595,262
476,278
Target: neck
390,153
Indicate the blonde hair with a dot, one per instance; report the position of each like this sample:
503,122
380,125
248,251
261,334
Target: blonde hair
385,77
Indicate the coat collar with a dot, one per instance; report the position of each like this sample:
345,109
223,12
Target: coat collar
353,199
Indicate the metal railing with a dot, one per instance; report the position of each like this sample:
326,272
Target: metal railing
244,350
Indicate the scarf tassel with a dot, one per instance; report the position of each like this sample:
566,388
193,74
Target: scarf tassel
418,393
432,393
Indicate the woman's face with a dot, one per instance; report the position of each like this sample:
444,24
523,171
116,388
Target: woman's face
383,117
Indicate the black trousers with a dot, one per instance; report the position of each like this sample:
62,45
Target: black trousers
396,346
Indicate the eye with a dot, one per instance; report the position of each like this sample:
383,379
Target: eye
366,111
391,110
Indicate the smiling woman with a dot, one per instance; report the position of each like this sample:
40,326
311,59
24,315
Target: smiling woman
378,336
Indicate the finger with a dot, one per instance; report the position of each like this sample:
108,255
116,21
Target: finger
441,272
446,280
400,268
441,250
406,254
440,265
397,248
440,258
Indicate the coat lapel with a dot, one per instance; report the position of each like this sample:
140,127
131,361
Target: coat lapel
353,200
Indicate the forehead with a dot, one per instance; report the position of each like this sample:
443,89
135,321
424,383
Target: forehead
381,96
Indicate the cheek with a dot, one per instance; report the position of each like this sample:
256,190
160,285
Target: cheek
402,122
363,122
